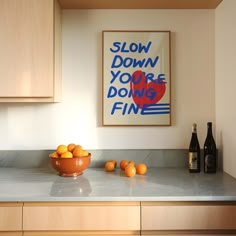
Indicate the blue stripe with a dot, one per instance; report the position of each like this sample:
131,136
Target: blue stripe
156,108
154,113
158,104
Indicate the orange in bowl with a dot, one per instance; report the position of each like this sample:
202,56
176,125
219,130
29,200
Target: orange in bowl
54,155
77,151
84,153
66,155
61,149
71,147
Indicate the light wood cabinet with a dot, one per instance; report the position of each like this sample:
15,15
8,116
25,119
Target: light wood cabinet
10,218
118,218
11,233
95,216
139,4
78,233
188,216
30,46
190,234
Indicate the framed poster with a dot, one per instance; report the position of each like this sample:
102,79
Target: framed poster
136,78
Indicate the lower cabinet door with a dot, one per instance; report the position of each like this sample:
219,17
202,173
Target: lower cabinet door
66,233
177,234
10,217
82,216
188,216
11,233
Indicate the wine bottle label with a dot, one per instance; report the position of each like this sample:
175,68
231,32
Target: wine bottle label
192,160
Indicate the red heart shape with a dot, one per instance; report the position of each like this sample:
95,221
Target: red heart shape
144,92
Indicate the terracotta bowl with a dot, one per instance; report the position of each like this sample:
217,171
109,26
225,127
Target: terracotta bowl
71,166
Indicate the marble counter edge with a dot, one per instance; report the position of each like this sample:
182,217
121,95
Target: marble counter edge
123,199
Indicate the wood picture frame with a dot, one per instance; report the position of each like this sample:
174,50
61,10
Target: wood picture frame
136,78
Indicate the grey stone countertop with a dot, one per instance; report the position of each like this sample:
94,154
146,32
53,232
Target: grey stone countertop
95,184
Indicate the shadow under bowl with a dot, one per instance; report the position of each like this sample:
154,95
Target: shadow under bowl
70,167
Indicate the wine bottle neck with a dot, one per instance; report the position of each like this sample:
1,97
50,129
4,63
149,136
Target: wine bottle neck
209,131
194,133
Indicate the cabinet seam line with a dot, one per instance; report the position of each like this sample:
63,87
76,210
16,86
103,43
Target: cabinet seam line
140,220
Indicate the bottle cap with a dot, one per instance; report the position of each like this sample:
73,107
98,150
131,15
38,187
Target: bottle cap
194,128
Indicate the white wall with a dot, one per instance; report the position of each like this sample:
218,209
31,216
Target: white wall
225,65
78,117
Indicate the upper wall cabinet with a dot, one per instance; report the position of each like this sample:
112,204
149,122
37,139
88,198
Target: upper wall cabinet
30,46
139,4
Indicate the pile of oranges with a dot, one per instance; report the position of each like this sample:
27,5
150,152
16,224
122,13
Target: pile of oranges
69,151
129,167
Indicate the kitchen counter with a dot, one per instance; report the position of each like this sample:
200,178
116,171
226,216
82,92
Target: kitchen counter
159,184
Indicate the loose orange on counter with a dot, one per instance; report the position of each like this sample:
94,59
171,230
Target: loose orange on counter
109,166
130,170
141,169
61,149
114,161
123,164
132,162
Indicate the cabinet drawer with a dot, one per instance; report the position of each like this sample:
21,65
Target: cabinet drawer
78,233
11,234
193,234
10,217
81,216
188,217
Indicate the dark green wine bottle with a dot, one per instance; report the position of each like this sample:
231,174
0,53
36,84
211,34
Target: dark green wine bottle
210,153
194,152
